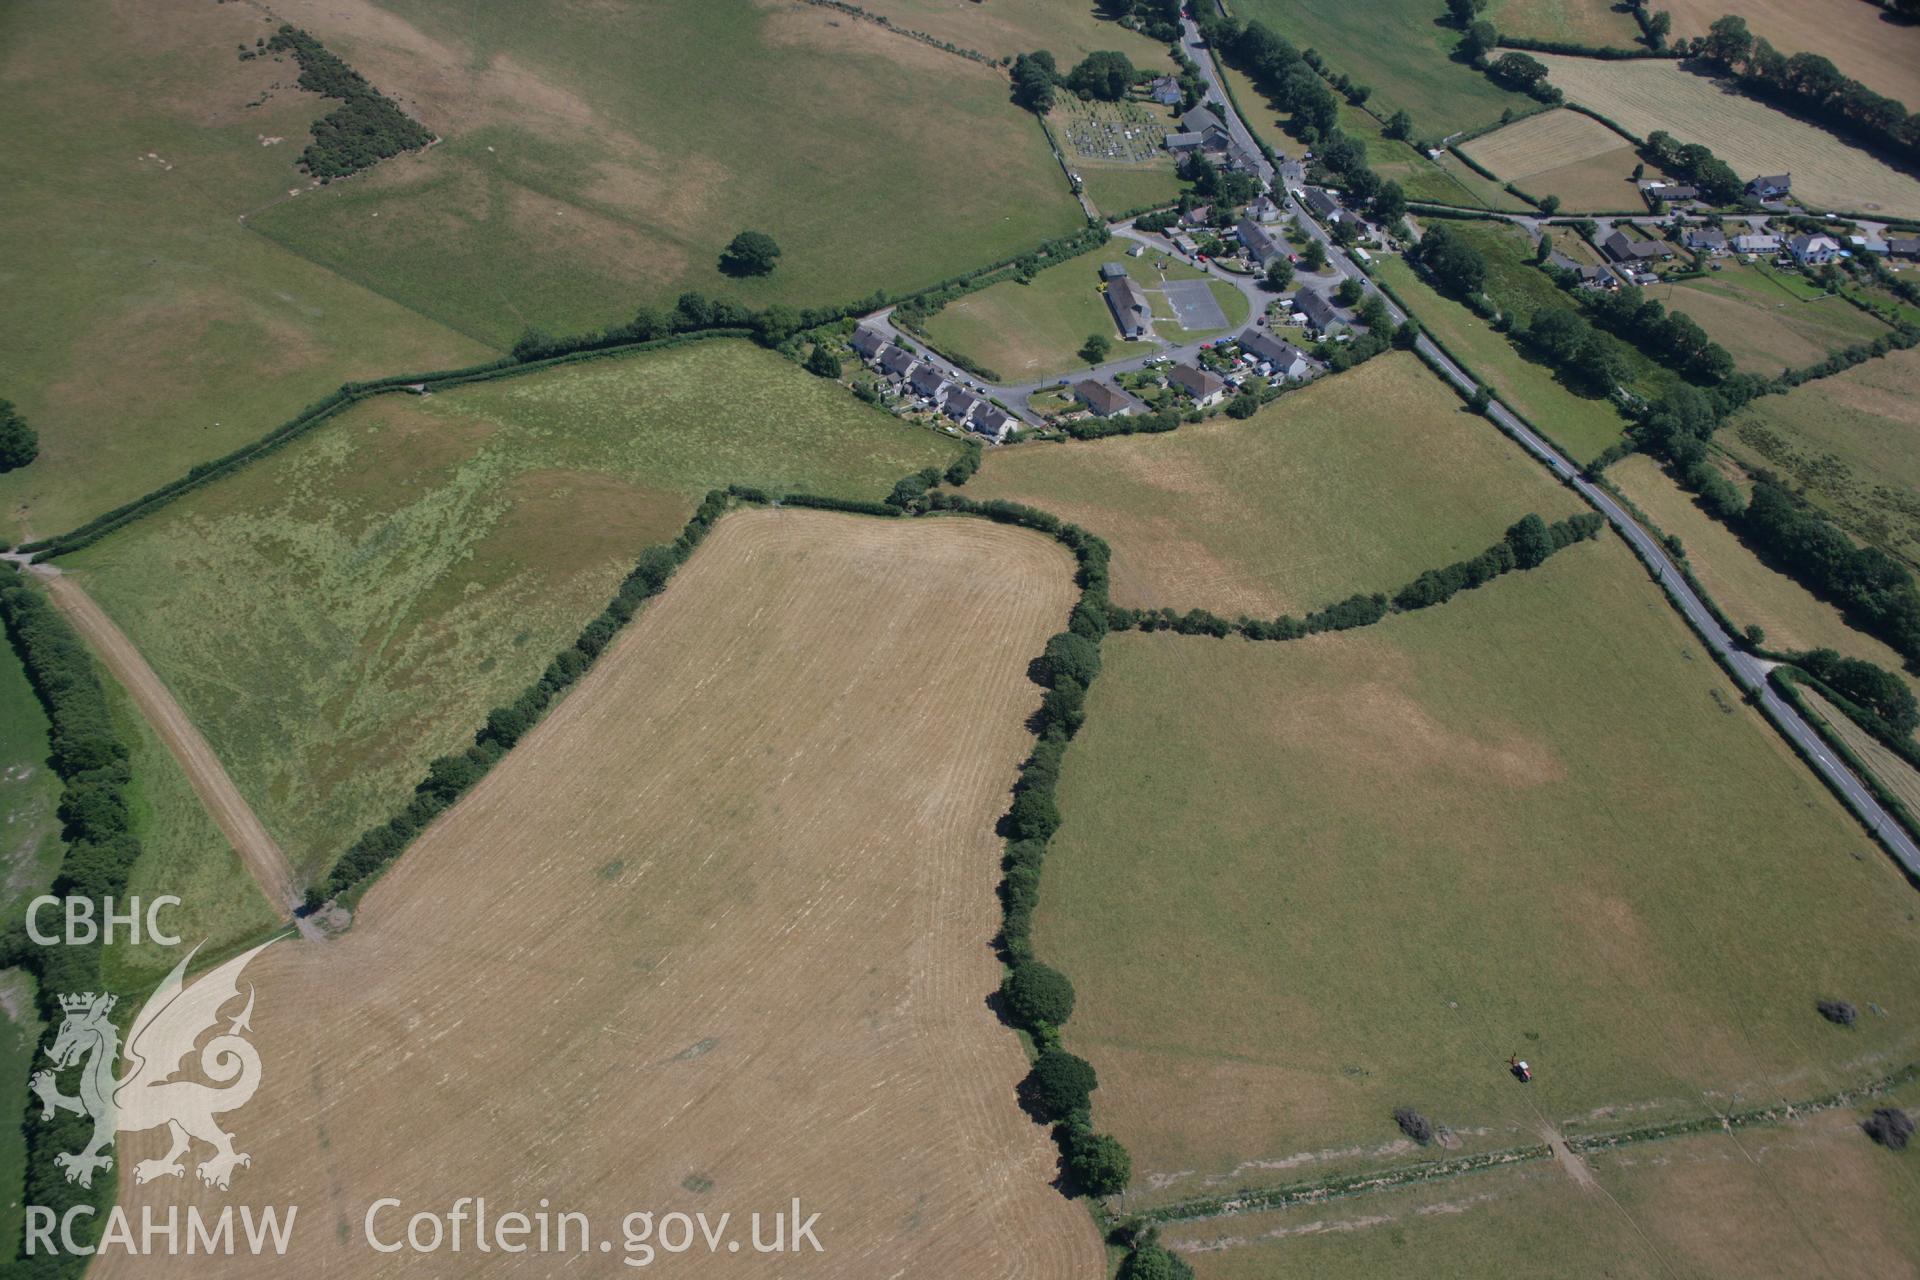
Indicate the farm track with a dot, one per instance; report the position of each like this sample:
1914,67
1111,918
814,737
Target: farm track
714,935
230,811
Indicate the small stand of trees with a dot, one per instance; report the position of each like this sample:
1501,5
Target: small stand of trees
367,128
19,443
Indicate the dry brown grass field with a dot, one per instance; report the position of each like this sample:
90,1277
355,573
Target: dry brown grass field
715,935
1647,94
1859,36
1356,484
1592,22
1749,591
1565,154
1891,768
1764,326
1808,1198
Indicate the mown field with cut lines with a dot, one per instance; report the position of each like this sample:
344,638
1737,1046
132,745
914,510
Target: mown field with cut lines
1564,154
387,579
718,928
1298,885
1864,40
1642,95
1357,484
1765,323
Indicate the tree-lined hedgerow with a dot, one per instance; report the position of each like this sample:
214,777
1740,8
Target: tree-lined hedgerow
450,777
91,760
368,126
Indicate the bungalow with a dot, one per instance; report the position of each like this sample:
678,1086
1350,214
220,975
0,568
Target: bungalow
1323,203
869,342
1275,357
929,382
896,363
1761,245
1320,312
1771,186
1103,400
1196,216
1903,247
1812,251
1165,90
1130,308
1621,249
1261,245
993,422
1597,277
960,406
1206,388
1709,240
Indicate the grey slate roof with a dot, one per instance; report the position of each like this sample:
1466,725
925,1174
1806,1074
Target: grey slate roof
1282,355
1622,249
1322,202
1198,383
960,404
1199,120
1259,242
1129,306
992,422
1706,238
868,341
1113,271
1103,399
928,380
895,362
1318,310
1903,247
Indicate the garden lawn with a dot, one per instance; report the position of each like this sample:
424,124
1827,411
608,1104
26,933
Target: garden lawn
1402,48
1027,331
1300,884
385,580
1356,483
1582,427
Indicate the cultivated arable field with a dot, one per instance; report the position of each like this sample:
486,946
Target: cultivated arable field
1301,884
1748,590
1851,443
147,328
1642,95
1583,426
1863,39
1565,154
1767,328
712,937
597,157
388,578
1025,331
1805,1197
1357,484
1400,49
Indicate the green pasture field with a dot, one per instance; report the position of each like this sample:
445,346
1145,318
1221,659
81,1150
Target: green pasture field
1402,48
30,849
1301,884
1749,591
385,580
1765,327
1811,1196
1851,443
1119,185
1026,331
1115,189
1357,483
1600,23
617,163
1069,29
148,329
1585,427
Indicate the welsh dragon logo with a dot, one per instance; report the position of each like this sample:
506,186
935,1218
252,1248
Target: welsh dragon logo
166,1032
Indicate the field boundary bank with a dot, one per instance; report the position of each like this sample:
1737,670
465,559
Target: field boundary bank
882,20
1361,1184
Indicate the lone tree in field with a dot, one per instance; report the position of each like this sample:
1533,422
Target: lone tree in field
1839,1012
19,443
1095,348
1414,1125
1891,1127
751,253
1037,993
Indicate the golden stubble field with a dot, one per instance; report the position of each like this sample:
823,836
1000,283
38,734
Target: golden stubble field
714,936
1861,38
1652,93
